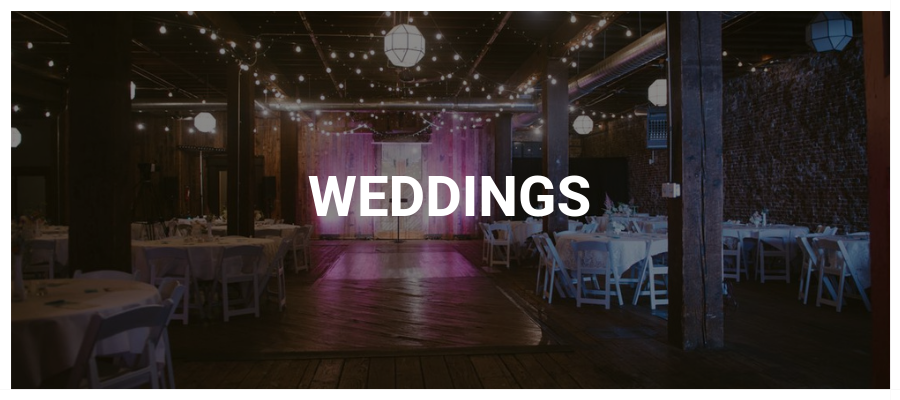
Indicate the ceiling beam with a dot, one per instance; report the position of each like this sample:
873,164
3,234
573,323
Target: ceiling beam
315,42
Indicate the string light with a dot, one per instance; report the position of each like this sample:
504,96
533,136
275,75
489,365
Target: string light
628,33
50,63
724,53
602,22
222,51
438,36
301,78
476,76
387,13
333,55
573,19
16,108
297,49
456,57
29,45
202,31
352,54
213,36
358,71
424,12
162,29
47,114
272,77
140,125
328,70
433,58
190,13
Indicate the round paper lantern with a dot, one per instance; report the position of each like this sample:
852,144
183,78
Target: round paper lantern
404,45
658,93
583,125
205,122
829,31
16,137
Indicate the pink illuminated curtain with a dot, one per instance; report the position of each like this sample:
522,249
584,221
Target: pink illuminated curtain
454,153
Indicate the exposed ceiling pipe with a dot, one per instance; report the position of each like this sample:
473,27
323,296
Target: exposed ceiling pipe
637,54
473,105
464,105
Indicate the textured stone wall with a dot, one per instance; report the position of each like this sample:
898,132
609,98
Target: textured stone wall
795,143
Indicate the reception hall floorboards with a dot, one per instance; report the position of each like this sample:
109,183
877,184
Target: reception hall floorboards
424,314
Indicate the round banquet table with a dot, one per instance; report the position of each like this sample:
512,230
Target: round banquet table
204,256
47,330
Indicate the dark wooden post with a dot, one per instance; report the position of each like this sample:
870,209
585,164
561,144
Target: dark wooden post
502,158
239,145
556,138
102,174
289,168
876,50
695,230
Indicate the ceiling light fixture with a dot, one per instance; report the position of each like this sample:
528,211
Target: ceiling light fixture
404,45
583,124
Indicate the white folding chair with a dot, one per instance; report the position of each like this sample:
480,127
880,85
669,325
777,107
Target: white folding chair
563,283
500,237
635,227
593,261
240,265
276,270
654,274
732,250
173,291
544,263
89,371
485,242
808,268
771,243
834,265
39,258
830,230
589,228
108,274
302,243
173,263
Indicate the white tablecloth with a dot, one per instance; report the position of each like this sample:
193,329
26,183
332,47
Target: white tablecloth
787,232
204,256
46,338
62,245
261,231
857,254
522,230
626,249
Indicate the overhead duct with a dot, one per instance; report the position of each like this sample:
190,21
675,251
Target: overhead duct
463,105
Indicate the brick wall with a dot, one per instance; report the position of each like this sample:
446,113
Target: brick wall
627,138
795,143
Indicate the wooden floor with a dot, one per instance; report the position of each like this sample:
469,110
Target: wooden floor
366,317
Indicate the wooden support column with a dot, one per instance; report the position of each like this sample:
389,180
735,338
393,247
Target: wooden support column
239,146
876,62
102,174
556,139
502,158
695,219
289,168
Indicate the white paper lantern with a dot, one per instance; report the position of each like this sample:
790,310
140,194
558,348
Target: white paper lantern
404,45
583,125
205,122
658,93
16,137
829,31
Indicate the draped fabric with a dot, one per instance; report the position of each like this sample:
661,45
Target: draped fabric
454,151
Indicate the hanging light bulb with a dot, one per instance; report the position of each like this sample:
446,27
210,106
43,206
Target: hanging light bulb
573,19
301,78
297,49
162,29
628,33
